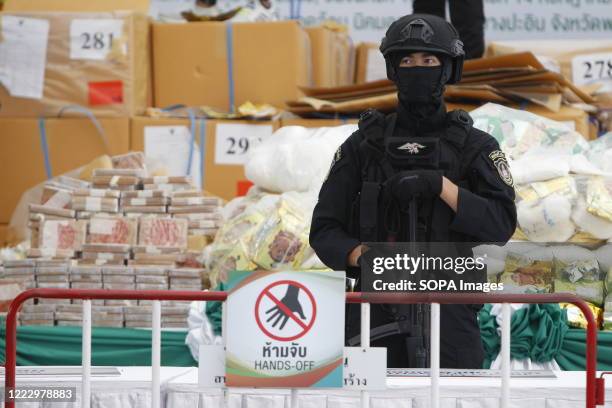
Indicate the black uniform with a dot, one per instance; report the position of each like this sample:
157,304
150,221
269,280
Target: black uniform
466,15
359,200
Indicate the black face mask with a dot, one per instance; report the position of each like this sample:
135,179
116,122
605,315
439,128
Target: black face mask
419,85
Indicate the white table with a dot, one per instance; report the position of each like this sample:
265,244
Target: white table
179,384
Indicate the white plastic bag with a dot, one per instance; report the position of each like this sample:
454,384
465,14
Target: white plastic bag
295,158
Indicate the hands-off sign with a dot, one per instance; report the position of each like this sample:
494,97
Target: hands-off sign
285,329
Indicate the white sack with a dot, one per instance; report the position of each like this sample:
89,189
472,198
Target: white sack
547,220
295,158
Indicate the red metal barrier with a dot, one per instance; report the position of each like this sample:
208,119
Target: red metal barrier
592,385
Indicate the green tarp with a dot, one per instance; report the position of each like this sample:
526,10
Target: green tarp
541,333
48,345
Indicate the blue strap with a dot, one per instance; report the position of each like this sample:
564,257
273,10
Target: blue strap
202,150
42,129
173,107
230,64
291,9
90,116
192,129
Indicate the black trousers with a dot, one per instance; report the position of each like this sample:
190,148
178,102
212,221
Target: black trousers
466,15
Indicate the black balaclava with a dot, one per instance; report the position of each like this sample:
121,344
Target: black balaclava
420,91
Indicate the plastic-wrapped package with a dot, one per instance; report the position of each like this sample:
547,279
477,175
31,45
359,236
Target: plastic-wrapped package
575,317
539,166
295,158
577,271
520,131
526,274
494,259
280,241
546,220
600,153
599,197
596,226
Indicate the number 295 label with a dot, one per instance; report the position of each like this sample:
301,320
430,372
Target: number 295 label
92,39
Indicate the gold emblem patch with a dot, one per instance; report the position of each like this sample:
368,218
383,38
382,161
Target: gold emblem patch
501,164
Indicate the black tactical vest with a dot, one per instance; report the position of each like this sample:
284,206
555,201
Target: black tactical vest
375,216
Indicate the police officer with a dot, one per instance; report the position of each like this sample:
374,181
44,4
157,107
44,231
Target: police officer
458,173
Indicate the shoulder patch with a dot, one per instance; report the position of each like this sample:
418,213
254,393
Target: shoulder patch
336,159
501,164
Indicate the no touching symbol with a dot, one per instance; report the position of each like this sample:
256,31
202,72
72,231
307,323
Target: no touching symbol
285,310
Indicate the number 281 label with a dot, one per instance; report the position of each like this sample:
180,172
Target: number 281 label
593,68
92,39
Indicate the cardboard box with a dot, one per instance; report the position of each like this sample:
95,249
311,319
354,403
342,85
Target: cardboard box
370,64
333,57
97,60
576,119
270,62
315,123
226,143
581,61
72,143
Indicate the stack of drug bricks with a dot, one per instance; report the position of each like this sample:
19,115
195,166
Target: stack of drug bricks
124,230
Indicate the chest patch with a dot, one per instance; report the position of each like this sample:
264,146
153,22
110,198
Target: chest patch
501,164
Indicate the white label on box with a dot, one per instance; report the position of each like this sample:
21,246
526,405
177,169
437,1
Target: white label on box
365,368
92,39
593,69
375,68
234,141
169,146
211,367
23,55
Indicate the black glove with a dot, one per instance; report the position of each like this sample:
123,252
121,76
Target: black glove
410,184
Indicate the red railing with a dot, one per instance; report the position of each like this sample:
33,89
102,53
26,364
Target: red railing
594,388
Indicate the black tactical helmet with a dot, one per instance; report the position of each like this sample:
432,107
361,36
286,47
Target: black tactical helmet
424,32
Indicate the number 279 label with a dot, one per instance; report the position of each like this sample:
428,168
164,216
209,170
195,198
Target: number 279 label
92,39
592,68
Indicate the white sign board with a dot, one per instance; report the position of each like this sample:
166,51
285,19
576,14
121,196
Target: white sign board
365,368
285,329
211,366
